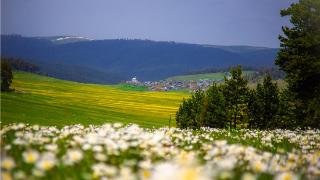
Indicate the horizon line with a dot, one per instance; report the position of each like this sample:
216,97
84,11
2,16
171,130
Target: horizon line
141,39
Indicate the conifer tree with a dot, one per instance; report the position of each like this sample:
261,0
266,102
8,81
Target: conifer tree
214,113
254,109
189,113
183,115
299,57
263,111
235,91
288,110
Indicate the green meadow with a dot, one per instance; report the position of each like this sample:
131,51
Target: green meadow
49,101
208,76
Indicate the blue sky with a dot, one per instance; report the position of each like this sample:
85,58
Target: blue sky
219,22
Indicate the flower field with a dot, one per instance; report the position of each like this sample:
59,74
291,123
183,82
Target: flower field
117,151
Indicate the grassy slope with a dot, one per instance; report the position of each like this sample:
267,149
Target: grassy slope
49,101
129,87
210,76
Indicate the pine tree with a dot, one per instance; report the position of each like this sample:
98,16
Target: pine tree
189,113
214,113
183,115
288,110
197,108
254,109
299,57
235,91
263,105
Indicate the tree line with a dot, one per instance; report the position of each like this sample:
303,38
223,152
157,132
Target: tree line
258,72
233,105
9,64
20,65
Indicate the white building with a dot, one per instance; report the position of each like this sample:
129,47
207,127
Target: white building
134,80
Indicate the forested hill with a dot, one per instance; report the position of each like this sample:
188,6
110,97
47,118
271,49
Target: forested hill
109,61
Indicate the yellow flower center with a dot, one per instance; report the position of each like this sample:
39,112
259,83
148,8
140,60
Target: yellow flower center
46,165
5,176
146,173
190,174
287,177
31,158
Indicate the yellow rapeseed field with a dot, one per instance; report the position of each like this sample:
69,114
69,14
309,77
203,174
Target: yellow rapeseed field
48,101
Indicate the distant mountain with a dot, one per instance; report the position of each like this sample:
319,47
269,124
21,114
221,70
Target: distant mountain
66,39
238,49
122,59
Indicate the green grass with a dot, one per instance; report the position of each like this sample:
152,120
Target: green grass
209,76
48,101
129,87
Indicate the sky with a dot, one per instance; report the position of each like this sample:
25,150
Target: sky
217,22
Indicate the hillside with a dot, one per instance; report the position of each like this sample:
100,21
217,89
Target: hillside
49,101
206,76
116,60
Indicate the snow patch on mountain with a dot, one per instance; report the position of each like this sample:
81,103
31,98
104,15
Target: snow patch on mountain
73,37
